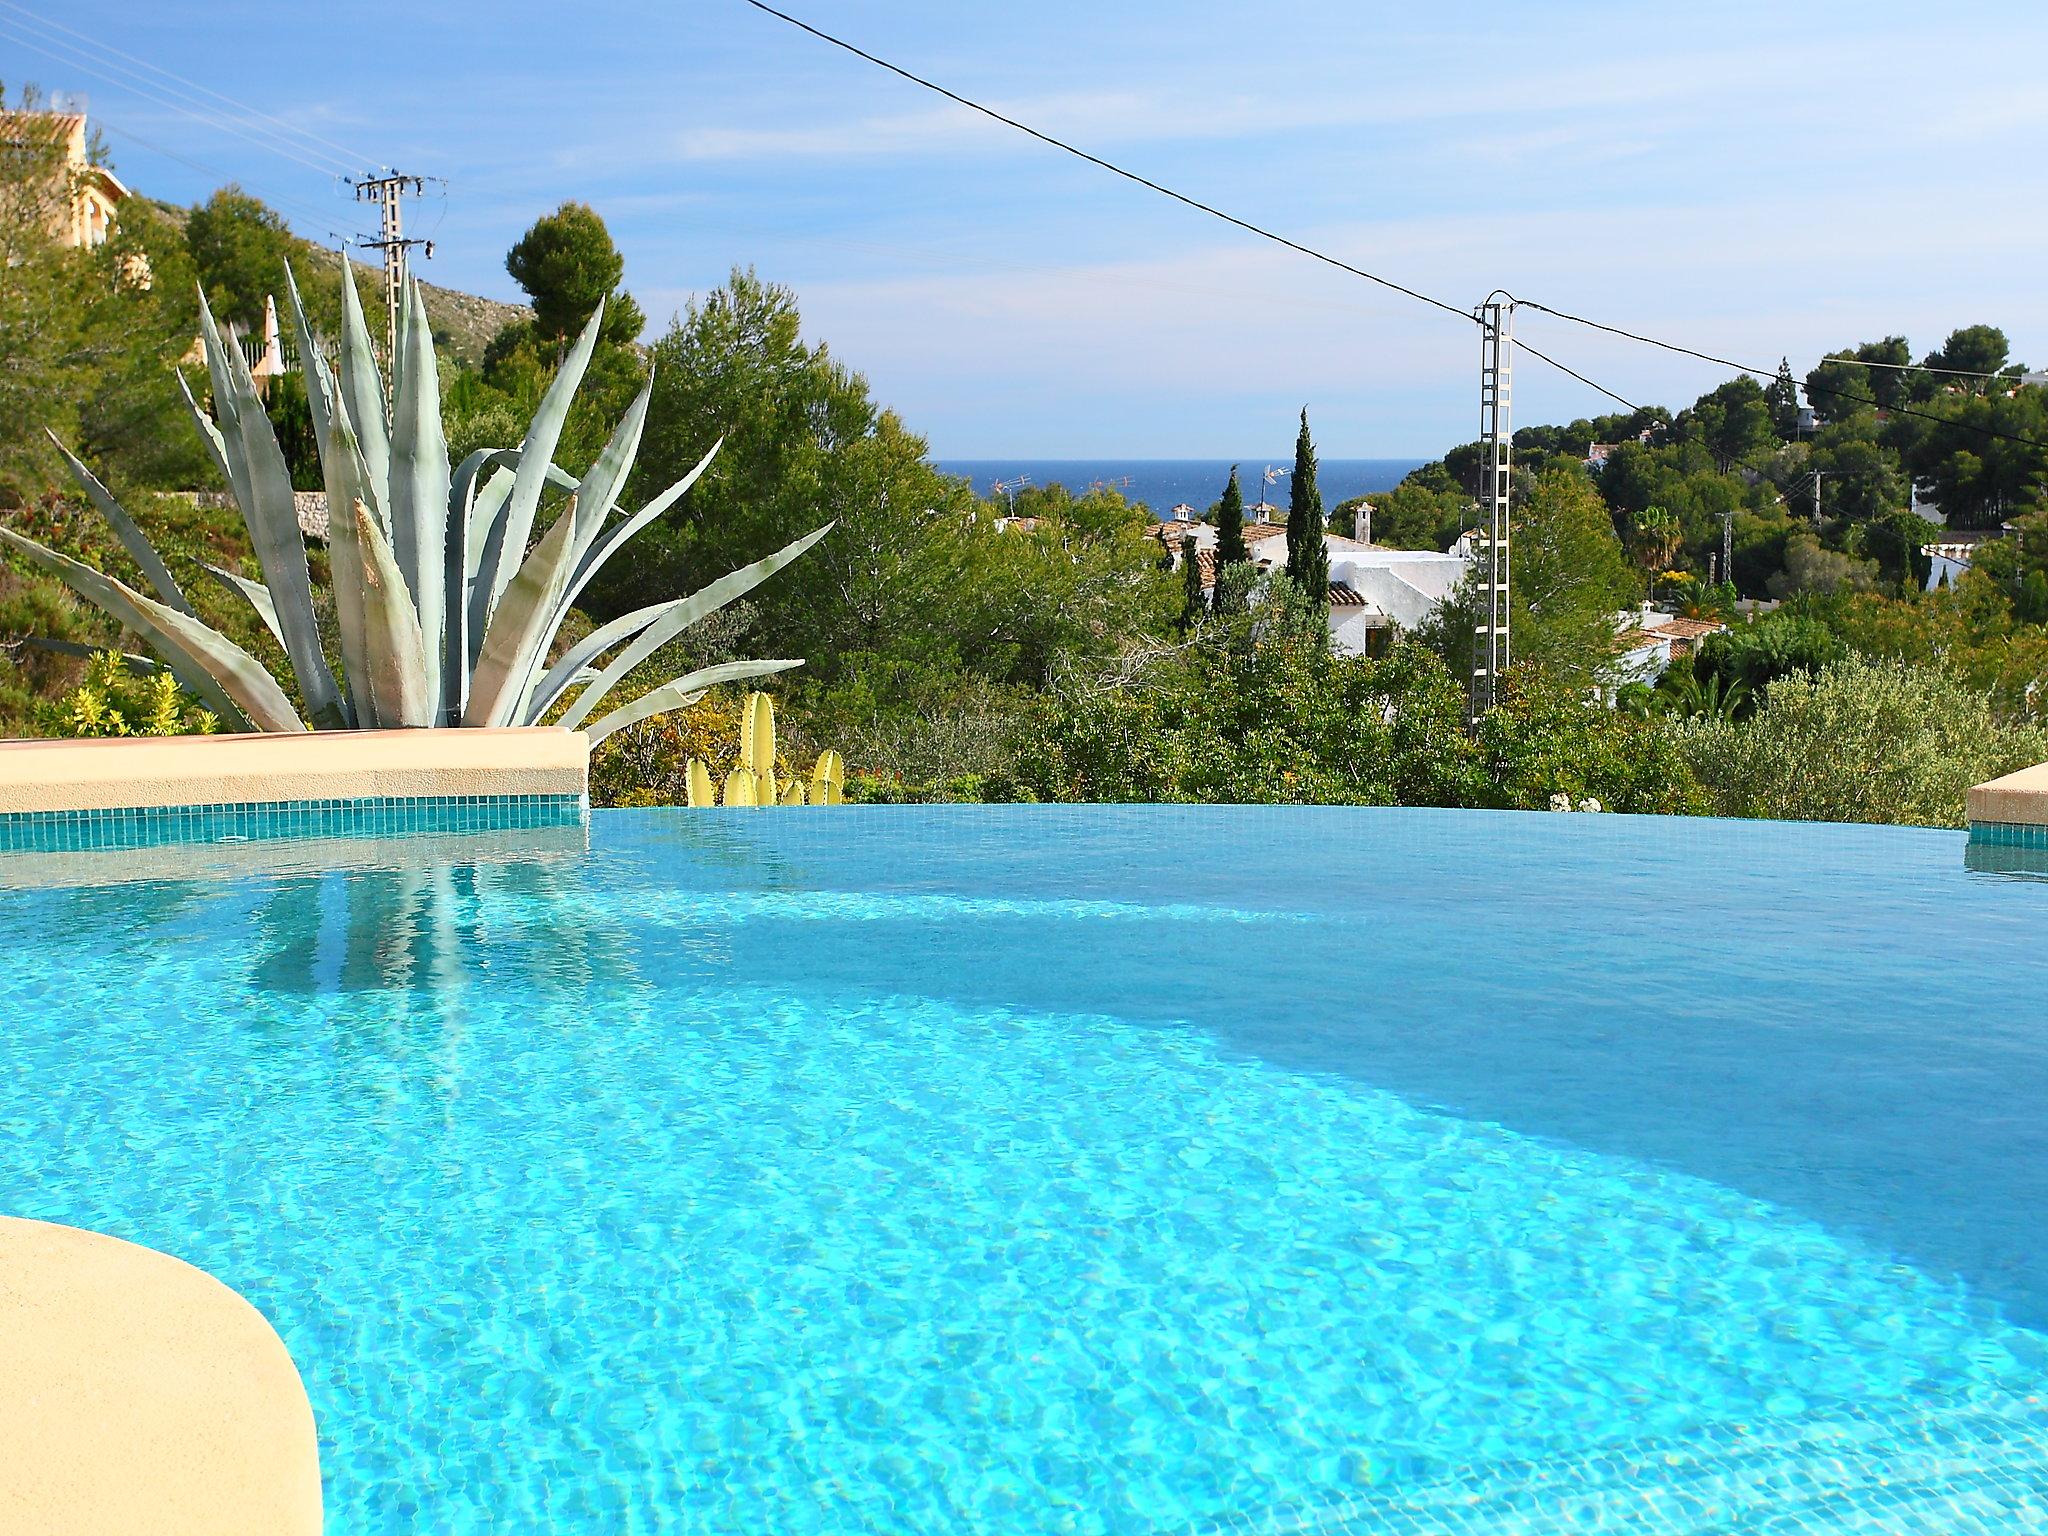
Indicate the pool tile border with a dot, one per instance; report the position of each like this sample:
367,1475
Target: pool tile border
2009,834
266,820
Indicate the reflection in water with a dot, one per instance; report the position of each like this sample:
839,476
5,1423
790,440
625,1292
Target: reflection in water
2020,863
437,925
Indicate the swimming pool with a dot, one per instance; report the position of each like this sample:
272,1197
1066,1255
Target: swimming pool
1085,1170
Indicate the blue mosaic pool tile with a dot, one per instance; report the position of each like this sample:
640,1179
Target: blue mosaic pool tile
2009,834
1959,1468
370,816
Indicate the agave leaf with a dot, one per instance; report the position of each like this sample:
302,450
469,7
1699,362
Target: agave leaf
608,542
489,526
687,690
681,617
481,500
132,538
598,490
256,594
518,626
216,448
232,683
339,456
263,487
141,666
564,673
362,388
419,482
505,551
397,649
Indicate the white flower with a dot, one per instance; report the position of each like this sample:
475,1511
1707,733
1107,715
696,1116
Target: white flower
1589,804
1560,801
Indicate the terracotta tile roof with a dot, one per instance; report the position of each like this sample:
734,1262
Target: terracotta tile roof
1342,596
1636,639
1689,629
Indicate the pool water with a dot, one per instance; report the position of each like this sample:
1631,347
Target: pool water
1085,1170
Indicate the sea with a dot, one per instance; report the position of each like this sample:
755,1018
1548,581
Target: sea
1162,484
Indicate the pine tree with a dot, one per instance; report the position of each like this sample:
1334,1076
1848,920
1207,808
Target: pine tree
1308,557
1191,576
1230,545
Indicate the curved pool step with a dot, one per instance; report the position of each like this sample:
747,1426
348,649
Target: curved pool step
1951,1469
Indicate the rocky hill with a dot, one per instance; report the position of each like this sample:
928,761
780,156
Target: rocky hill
463,322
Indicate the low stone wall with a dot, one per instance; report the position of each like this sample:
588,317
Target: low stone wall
143,1395
290,768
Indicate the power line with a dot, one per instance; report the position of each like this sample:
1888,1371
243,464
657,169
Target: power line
1114,169
1373,277
291,204
101,46
161,96
1523,346
1764,373
95,47
1180,197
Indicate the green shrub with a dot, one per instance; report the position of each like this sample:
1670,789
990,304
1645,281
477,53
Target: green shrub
1874,741
1547,739
116,701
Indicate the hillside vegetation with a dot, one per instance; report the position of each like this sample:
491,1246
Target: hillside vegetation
953,654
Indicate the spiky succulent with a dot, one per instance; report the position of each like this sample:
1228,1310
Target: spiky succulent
446,616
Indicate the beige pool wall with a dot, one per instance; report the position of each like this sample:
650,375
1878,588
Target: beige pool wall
267,768
143,1396
2019,799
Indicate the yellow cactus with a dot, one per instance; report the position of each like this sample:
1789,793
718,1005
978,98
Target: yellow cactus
753,781
739,787
828,780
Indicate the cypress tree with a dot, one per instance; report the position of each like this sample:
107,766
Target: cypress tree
1782,395
1191,576
1230,545
1308,557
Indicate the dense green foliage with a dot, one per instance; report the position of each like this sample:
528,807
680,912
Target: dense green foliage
568,266
1859,741
83,331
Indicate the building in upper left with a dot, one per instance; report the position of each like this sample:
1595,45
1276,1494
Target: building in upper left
84,198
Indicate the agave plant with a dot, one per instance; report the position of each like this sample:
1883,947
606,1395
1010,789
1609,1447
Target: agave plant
446,616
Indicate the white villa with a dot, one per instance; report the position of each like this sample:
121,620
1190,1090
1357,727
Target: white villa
1647,640
1374,590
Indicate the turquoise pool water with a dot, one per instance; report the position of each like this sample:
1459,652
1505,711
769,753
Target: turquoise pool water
1082,1170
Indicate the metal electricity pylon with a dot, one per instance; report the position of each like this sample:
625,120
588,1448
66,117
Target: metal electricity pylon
1490,635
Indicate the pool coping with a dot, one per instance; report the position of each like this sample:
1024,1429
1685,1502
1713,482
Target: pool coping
144,1395
133,774
2011,811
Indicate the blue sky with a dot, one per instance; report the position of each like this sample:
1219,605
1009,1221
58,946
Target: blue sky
1755,179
